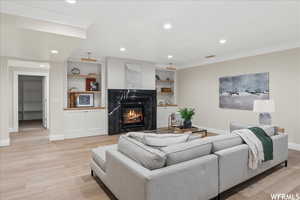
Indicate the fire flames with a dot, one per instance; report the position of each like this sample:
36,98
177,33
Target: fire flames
132,115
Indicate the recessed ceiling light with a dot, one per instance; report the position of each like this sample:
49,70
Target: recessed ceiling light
42,65
170,56
167,26
222,41
71,1
54,51
122,49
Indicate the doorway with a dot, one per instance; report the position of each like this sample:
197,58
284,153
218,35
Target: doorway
31,94
30,102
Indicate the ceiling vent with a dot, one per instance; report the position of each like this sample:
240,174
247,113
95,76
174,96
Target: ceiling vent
210,56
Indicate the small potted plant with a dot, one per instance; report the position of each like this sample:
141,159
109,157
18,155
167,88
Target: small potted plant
187,114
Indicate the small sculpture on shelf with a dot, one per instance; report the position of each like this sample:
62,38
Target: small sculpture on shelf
157,77
92,84
75,71
161,102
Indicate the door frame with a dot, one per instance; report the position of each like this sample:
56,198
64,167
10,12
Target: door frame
16,95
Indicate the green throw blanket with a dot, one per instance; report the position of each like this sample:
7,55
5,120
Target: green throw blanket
266,141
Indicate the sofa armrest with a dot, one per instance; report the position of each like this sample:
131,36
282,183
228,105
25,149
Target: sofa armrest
195,179
280,147
125,178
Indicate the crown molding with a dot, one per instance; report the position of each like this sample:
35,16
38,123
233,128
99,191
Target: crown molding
23,9
242,55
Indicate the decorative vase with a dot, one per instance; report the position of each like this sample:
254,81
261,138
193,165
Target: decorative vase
187,124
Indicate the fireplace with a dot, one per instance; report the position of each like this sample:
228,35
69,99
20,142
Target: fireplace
131,110
132,115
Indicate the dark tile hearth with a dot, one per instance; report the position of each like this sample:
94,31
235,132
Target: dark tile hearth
131,110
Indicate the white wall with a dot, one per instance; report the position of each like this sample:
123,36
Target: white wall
4,136
56,100
116,73
199,87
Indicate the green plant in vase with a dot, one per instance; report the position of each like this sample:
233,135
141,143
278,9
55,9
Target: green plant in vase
187,115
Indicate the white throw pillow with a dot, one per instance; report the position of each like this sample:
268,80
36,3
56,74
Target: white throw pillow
159,140
163,140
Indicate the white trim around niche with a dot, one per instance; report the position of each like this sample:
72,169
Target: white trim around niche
16,74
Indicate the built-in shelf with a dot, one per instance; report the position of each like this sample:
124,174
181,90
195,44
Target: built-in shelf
84,92
165,81
166,92
85,108
82,76
167,105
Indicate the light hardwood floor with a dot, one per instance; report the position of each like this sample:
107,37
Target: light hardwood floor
32,168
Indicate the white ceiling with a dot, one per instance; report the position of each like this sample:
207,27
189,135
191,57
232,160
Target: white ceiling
248,26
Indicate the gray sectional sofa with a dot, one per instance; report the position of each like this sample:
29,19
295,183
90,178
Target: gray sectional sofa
199,169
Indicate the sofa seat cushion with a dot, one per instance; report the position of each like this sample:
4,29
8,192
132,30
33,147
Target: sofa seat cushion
99,155
186,151
150,158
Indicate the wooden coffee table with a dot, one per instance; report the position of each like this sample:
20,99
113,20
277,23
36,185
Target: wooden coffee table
194,130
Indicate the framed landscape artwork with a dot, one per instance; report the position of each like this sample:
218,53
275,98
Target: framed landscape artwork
239,92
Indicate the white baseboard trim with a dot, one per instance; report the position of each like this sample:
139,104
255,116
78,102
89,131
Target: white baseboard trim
56,137
4,143
12,130
294,146
83,134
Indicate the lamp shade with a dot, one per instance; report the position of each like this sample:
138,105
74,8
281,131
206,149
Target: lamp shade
264,106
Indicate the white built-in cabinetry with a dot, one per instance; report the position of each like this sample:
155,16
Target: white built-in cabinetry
166,100
83,123
166,79
163,114
91,122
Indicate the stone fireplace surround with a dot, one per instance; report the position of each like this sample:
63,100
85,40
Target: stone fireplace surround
119,97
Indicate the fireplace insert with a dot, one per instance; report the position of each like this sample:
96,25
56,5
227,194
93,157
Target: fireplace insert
132,115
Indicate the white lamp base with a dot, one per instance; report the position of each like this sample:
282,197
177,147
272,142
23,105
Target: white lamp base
265,119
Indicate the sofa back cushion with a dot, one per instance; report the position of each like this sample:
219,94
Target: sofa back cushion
221,142
186,151
148,157
238,126
269,129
